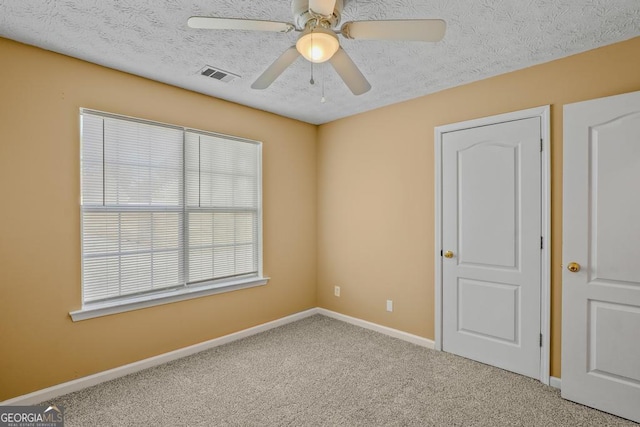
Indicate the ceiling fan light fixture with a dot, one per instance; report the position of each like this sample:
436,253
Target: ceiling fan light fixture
318,44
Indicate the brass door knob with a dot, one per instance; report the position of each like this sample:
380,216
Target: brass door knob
573,267
448,254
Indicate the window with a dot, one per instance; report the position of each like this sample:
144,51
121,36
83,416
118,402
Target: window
167,213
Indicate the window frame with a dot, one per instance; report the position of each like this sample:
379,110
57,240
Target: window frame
182,291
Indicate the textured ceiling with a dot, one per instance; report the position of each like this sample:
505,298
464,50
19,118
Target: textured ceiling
150,38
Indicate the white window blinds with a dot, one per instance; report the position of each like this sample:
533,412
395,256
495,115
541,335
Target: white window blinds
165,208
223,200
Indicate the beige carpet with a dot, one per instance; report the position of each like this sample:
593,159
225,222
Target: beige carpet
323,372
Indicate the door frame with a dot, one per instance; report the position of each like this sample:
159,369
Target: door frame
542,112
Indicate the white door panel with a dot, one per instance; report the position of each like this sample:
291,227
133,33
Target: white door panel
612,354
475,296
616,149
488,165
491,221
601,301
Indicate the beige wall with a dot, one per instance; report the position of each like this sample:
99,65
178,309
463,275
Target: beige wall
376,185
40,346
368,180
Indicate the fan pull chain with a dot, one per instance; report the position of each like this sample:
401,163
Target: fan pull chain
312,81
323,99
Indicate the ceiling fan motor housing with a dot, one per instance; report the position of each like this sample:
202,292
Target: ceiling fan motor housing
302,14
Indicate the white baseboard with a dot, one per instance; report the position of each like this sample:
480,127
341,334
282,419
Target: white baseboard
405,336
101,377
91,380
555,382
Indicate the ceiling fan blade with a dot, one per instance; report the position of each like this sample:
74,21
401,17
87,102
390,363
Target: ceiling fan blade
322,7
426,30
213,23
277,68
349,72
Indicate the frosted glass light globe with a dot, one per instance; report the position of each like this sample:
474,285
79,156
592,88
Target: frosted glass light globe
318,45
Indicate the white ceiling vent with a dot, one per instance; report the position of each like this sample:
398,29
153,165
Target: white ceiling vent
218,74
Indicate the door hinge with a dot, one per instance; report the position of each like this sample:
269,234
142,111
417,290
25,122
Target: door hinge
541,242
540,340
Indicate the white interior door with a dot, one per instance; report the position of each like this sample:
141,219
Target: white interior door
601,237
491,241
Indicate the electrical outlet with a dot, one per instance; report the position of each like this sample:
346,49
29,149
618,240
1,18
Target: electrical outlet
389,305
336,291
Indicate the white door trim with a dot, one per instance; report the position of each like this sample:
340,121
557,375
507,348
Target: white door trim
545,292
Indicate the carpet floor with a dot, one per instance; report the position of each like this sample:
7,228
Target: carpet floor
323,372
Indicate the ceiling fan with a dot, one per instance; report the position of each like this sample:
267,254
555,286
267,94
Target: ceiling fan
318,21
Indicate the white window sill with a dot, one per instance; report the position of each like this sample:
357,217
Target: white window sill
89,311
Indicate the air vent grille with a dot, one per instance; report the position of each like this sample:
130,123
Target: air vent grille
218,74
